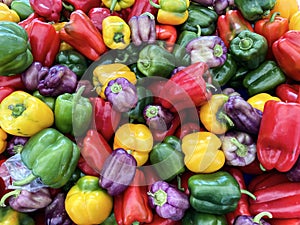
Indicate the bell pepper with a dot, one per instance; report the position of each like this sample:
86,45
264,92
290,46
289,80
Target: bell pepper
5,91
3,141
272,29
16,144
13,217
85,6
118,5
212,115
85,168
12,81
23,8
171,12
97,14
200,20
133,204
202,152
166,33
294,23
286,8
157,220
87,203
287,92
8,14
50,10
116,32
24,115
72,59
237,79
141,6
167,158
135,138
286,52
193,217
151,65
254,10
16,56
102,74
187,128
249,49
273,151
50,101
83,36
73,113
253,220
258,101
265,78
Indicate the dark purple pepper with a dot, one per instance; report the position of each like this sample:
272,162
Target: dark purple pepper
32,75
89,90
157,117
239,148
59,80
244,116
220,6
168,201
250,220
55,213
122,94
205,2
294,173
16,144
118,172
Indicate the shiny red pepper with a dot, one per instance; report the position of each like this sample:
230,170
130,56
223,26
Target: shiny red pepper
140,7
167,33
29,19
49,9
13,81
85,168
5,91
85,5
288,92
97,15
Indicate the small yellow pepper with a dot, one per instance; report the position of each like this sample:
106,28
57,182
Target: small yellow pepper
102,74
7,14
202,152
22,114
286,8
116,32
136,139
295,21
258,101
3,142
118,5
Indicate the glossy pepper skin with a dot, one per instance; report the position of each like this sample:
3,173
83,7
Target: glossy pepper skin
216,193
50,10
166,33
288,92
24,115
294,22
117,5
50,149
16,56
85,6
50,101
193,217
273,151
87,203
32,75
140,7
13,217
7,14
249,49
286,52
286,8
252,220
258,101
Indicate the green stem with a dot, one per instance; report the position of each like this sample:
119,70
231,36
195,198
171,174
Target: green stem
113,5
223,117
118,37
242,149
154,4
218,50
260,215
152,111
160,197
243,191
17,109
136,223
198,30
14,193
262,168
179,185
273,17
116,88
26,180
68,7
246,43
152,17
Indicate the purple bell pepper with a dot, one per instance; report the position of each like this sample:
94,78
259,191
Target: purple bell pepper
250,220
32,75
16,144
220,6
208,49
118,172
239,148
205,2
168,201
122,94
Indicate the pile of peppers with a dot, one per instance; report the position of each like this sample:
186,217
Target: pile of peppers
158,112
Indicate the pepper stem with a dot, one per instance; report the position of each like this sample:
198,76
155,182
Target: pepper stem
246,43
116,88
218,50
243,191
17,109
223,117
154,4
113,5
198,30
160,197
68,7
118,37
273,17
136,223
152,111
26,180
179,185
151,16
14,193
260,215
242,149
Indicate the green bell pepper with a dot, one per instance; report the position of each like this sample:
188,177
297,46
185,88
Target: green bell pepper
237,79
182,57
156,61
9,216
222,74
264,79
73,113
167,158
200,16
192,217
50,101
217,193
74,60
22,7
138,74
186,36
51,156
249,49
15,53
253,10
111,220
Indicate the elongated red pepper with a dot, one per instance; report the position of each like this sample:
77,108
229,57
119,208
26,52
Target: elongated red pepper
140,7
85,5
278,140
288,92
44,41
13,81
82,35
167,33
49,9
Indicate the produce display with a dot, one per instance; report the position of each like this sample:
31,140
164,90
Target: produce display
158,112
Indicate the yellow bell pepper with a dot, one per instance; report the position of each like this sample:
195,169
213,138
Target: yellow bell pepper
136,139
202,152
118,5
102,74
286,8
212,116
258,101
7,14
63,45
87,203
3,142
22,114
116,32
295,21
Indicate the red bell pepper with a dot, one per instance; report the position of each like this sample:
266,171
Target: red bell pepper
252,168
140,7
231,24
85,168
98,14
287,53
29,19
133,204
82,35
167,33
13,81
278,139
187,128
157,220
44,41
106,119
272,29
84,5
49,9
4,92
288,92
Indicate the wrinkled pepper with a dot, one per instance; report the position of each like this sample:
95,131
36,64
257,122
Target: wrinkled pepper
50,10
97,14
13,217
258,101
166,33
193,217
87,203
118,5
24,115
7,14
